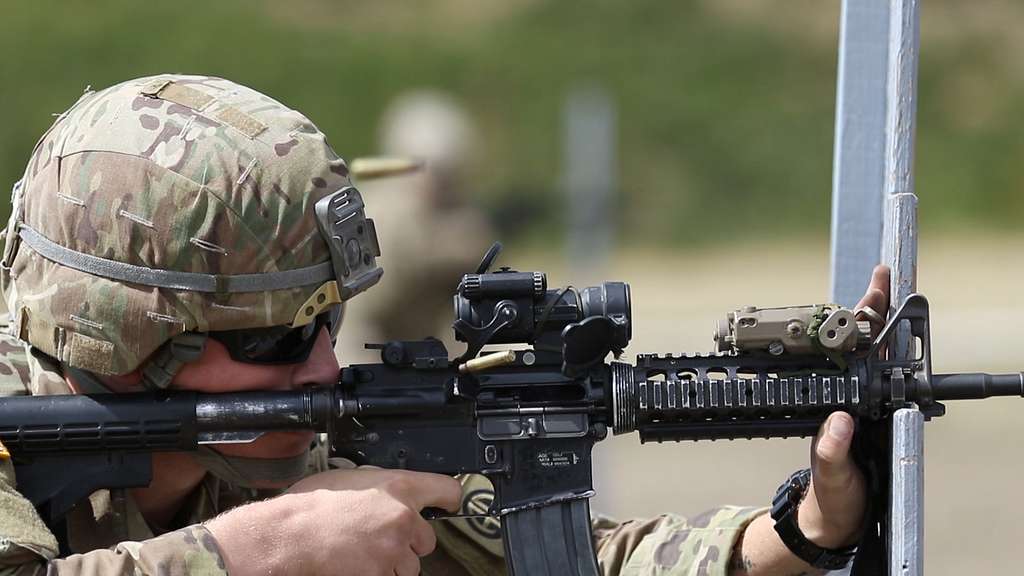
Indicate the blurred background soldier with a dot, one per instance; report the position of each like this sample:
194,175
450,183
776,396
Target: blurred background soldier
429,235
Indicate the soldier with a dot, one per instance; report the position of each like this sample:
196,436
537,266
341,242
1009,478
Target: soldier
429,236
163,235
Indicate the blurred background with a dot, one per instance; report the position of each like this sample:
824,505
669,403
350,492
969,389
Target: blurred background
682,146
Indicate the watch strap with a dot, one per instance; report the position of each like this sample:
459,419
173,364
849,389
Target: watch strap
783,512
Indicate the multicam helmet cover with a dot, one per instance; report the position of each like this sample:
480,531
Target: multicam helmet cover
175,204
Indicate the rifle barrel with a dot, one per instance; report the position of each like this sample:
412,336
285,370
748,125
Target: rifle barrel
976,385
307,409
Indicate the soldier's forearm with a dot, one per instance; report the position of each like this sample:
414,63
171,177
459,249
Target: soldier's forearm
190,550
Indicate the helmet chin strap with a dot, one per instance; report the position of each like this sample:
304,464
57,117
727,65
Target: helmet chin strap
248,472
170,358
87,382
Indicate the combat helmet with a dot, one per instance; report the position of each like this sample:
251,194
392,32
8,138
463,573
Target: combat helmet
171,206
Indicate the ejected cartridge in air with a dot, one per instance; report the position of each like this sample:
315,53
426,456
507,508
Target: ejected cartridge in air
382,167
822,329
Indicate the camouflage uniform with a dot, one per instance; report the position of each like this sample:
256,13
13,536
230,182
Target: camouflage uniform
199,174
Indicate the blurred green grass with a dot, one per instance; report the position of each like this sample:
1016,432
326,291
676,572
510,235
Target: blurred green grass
725,107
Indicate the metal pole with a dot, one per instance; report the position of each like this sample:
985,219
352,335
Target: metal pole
906,512
858,168
590,178
873,175
906,518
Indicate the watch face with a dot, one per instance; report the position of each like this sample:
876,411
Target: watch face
790,493
799,482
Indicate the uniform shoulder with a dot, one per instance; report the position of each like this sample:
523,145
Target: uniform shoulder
14,371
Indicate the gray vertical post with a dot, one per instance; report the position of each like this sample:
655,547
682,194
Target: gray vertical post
906,518
858,168
874,208
590,178
906,513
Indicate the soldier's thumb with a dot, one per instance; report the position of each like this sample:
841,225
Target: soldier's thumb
831,463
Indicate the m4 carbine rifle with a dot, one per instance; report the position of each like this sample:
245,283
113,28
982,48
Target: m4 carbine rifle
528,418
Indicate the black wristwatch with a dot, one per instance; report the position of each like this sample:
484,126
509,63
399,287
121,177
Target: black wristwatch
784,506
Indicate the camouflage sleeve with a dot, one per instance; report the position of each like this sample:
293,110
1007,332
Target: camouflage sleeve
28,548
191,550
672,545
25,542
668,545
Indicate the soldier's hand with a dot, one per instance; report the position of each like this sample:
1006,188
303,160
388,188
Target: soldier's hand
362,522
832,513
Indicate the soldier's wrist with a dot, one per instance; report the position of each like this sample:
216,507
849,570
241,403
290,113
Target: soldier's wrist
244,548
819,530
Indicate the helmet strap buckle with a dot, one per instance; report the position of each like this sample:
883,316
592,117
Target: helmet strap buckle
171,357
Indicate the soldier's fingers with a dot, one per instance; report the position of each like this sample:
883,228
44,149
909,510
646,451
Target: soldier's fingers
880,277
342,479
831,465
435,490
874,305
424,540
873,308
408,565
874,299
880,282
